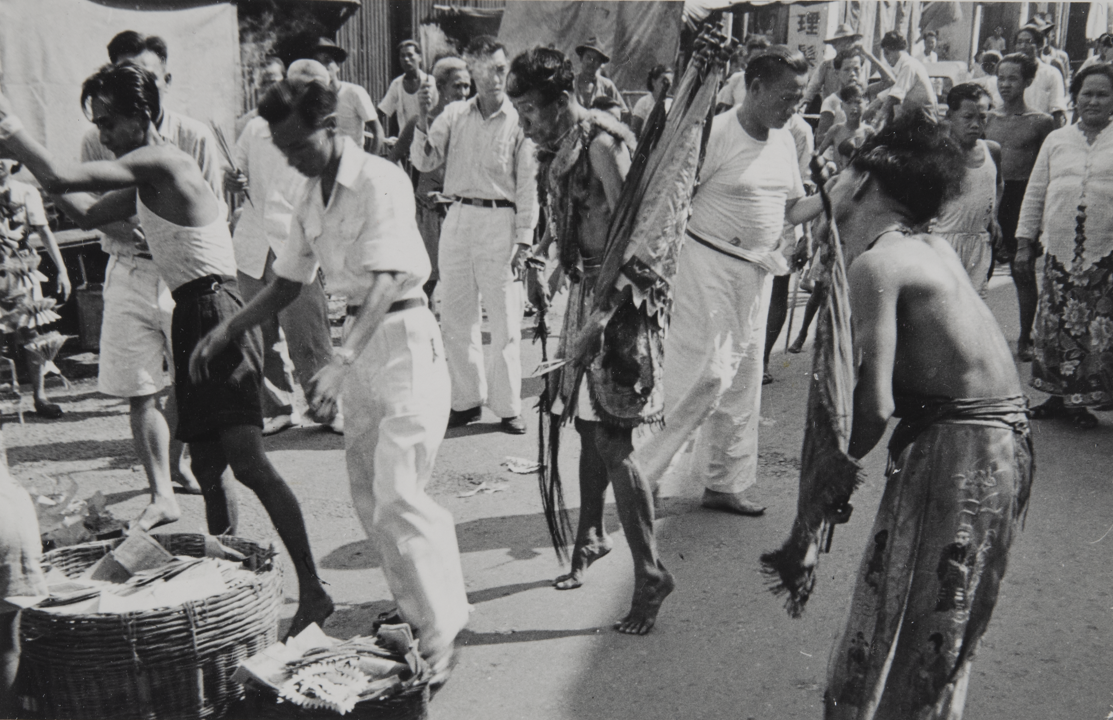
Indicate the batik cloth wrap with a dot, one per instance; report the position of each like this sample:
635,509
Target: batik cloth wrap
959,476
624,377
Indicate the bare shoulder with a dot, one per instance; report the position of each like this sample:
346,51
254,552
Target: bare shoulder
994,151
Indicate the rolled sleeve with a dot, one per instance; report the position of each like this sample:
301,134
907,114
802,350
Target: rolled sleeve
429,149
525,195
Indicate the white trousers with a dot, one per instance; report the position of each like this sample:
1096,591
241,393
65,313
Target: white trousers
476,247
713,368
395,412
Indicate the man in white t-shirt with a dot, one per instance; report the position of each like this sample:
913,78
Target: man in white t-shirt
925,49
1046,94
909,85
848,65
749,187
355,113
401,100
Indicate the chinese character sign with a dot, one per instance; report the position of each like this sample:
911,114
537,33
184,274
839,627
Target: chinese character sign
807,28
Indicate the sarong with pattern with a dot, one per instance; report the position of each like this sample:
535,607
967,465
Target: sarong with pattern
1073,334
958,482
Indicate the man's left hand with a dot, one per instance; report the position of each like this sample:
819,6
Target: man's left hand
64,286
518,261
324,389
208,348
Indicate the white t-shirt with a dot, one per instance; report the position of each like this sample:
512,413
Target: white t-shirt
353,110
398,101
833,105
744,187
733,90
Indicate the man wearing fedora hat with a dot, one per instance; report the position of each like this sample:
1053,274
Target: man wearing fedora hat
825,79
591,83
356,116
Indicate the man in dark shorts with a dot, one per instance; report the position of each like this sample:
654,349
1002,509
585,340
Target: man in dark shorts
189,241
1020,132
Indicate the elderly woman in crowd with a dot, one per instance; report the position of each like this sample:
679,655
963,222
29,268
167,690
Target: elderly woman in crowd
1067,206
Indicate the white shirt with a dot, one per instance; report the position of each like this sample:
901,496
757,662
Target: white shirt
733,91
191,137
833,105
353,110
368,226
913,86
744,187
398,101
29,202
1046,93
1069,172
261,229
488,158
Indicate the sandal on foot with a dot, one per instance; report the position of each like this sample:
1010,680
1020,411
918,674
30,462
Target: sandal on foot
48,411
1082,419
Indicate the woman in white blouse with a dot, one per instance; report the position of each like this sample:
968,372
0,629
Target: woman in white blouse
1068,206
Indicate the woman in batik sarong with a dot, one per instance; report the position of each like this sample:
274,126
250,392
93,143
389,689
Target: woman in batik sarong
1068,209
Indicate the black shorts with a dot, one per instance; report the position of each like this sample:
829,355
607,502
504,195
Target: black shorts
231,395
1008,216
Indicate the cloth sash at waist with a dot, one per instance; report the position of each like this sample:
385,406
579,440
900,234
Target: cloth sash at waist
917,414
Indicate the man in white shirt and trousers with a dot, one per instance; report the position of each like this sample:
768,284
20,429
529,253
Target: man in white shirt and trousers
491,176
355,220
749,188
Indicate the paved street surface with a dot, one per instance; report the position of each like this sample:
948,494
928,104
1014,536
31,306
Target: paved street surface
723,646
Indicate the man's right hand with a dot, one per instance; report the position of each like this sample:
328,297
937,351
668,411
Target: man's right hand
235,182
426,96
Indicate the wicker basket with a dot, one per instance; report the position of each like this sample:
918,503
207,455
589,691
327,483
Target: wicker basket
262,704
165,664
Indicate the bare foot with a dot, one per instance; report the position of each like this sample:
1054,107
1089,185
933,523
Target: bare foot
183,477
582,558
648,596
797,347
441,665
312,609
728,502
159,512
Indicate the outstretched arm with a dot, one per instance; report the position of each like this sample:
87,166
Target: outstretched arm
873,312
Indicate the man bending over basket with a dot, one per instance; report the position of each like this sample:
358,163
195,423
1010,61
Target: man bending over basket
930,352
355,218
186,228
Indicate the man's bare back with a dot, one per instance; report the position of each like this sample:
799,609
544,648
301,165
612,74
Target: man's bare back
947,342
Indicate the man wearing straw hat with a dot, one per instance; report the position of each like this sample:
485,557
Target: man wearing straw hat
135,332
825,80
591,83
355,220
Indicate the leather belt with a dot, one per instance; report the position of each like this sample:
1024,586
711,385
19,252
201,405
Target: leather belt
396,306
201,286
483,202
